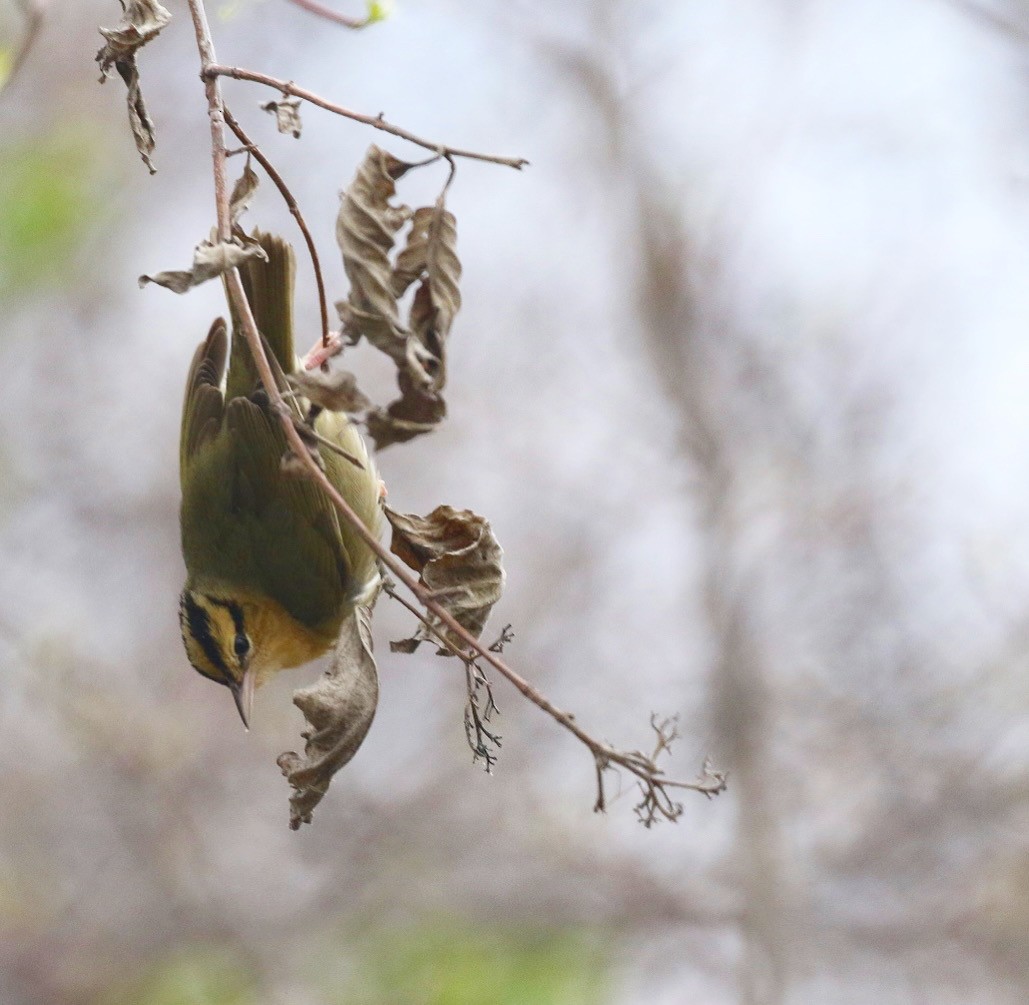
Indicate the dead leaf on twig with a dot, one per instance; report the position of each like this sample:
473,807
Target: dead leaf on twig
365,226
287,115
210,260
340,709
457,558
365,230
142,21
242,192
336,390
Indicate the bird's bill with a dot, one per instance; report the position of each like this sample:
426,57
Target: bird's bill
243,695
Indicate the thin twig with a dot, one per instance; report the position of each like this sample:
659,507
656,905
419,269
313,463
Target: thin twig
650,776
291,203
481,740
333,15
479,737
308,432
214,69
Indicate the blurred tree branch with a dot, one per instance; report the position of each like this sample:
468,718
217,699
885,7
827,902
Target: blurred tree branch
683,342
33,11
319,9
1005,22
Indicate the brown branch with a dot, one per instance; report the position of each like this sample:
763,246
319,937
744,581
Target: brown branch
650,776
291,204
332,15
214,70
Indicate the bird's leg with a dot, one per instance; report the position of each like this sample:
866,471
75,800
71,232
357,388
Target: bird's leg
320,354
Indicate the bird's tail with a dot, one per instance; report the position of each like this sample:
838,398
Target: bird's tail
269,289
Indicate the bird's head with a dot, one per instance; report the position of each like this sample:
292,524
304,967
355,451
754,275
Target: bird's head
220,643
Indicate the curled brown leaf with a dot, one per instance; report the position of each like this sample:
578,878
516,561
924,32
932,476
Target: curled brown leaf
457,558
210,259
340,709
365,229
336,390
415,412
287,115
242,192
142,21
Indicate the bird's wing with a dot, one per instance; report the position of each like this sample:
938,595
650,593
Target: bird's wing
204,402
293,531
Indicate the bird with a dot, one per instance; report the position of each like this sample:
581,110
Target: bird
272,569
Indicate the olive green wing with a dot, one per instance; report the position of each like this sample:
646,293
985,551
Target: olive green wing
203,406
254,527
362,489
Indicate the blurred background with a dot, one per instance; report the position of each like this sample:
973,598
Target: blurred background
741,379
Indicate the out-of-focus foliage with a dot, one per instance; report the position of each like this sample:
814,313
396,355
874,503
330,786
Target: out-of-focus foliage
197,976
46,200
456,963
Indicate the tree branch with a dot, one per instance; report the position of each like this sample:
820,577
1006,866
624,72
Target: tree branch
214,70
656,802
332,15
291,203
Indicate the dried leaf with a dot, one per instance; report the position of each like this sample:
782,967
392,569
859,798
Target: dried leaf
411,415
142,20
209,261
336,390
444,269
406,646
365,227
430,255
411,261
457,557
242,192
340,709
287,115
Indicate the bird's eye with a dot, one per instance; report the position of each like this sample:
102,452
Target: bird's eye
242,646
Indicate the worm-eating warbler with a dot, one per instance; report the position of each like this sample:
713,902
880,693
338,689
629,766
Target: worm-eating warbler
272,570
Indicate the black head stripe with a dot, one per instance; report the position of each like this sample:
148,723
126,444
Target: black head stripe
235,611
198,623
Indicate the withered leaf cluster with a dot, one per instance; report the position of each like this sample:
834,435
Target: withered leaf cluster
366,231
142,21
212,258
458,560
454,552
340,709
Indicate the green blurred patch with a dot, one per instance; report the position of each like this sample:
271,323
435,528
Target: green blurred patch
47,198
453,963
191,977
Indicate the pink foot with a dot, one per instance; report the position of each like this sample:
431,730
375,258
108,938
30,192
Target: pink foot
321,354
